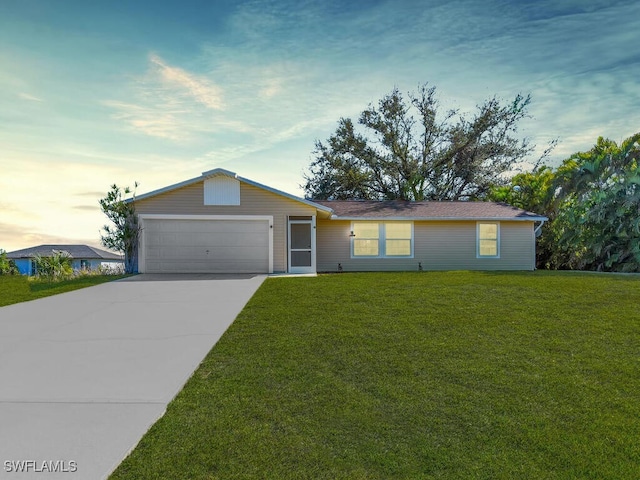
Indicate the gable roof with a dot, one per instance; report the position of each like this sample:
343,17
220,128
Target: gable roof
378,210
403,210
76,251
221,171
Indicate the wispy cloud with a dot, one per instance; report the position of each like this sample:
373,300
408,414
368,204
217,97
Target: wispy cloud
92,194
86,208
264,102
16,237
199,87
170,102
29,97
156,121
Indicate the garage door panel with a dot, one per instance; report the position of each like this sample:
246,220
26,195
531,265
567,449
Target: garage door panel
217,254
170,239
237,240
158,238
234,254
232,226
152,252
206,246
174,266
205,226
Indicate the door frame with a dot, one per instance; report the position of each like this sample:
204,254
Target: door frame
312,223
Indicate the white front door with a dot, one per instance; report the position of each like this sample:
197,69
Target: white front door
302,244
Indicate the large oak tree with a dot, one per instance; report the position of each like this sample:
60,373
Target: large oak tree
409,150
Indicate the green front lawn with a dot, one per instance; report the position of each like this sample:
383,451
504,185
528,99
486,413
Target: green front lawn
413,375
19,288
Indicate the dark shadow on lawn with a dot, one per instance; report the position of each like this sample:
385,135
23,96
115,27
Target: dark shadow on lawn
624,276
42,285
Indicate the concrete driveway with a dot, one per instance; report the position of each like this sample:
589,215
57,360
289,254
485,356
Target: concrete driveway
83,375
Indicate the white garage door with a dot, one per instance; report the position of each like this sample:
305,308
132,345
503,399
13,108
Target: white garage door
206,246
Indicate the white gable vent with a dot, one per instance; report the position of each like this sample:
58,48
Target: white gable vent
221,190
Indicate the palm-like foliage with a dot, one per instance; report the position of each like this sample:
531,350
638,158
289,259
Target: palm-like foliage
56,266
532,191
597,197
7,266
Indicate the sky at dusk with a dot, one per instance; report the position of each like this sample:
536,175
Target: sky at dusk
94,93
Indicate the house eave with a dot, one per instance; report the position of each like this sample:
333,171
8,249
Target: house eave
221,171
87,252
436,219
166,189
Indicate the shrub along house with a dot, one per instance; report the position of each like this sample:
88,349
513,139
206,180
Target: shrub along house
222,223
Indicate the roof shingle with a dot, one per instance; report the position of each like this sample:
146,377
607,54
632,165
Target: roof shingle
372,209
76,251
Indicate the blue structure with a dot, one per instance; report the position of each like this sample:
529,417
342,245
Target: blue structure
83,257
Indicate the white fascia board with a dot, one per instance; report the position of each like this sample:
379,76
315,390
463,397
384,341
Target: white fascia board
204,176
177,216
219,171
166,189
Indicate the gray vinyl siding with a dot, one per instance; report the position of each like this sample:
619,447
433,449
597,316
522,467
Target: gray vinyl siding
189,200
438,245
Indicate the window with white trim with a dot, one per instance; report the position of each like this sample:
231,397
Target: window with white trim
382,239
488,240
366,239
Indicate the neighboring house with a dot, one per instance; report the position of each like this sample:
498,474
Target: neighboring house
83,257
222,223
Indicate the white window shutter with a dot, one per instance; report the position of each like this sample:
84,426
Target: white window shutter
221,190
